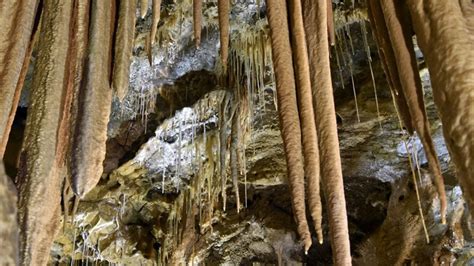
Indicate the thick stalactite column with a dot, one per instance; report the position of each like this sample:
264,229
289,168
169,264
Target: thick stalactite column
445,34
306,111
402,45
8,221
94,102
16,20
288,112
388,62
39,180
315,21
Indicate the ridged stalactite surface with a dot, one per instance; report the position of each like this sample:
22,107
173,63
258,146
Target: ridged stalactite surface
288,112
306,112
16,18
39,178
445,34
224,28
88,152
315,22
388,62
124,37
402,45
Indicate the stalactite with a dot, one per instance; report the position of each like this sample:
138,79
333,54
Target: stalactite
143,8
451,71
124,37
315,22
40,182
17,20
388,61
81,38
224,28
223,145
330,18
95,99
156,18
197,20
235,141
288,111
306,112
402,45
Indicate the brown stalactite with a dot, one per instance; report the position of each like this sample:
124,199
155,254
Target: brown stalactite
72,59
124,46
18,89
388,62
94,102
143,8
224,28
155,19
197,20
315,22
404,52
445,34
16,20
40,187
306,111
288,112
81,35
330,17
8,220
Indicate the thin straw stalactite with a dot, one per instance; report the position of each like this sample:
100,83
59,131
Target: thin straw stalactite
17,20
95,99
402,45
288,112
40,180
315,22
197,20
224,28
306,111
